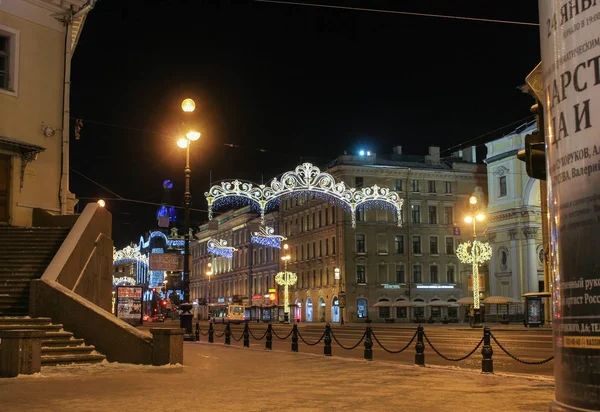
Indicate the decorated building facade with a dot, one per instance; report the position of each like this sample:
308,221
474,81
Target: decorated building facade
514,219
386,271
246,276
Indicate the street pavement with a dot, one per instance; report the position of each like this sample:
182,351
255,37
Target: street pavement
452,341
229,378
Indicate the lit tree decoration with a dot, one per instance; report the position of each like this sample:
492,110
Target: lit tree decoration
286,279
220,248
305,178
476,253
266,236
129,255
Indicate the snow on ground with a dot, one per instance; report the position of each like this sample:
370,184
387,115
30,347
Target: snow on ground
220,378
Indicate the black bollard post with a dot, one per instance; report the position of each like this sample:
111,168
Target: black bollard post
246,335
420,348
269,341
211,333
228,334
197,331
368,343
327,348
487,363
295,338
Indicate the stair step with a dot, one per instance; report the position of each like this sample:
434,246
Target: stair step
62,342
68,359
22,320
14,300
58,335
50,327
67,350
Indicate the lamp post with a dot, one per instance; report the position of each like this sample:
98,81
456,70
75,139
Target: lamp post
478,253
286,279
209,273
188,106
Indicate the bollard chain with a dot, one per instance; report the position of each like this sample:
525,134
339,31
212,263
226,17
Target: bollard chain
394,351
520,360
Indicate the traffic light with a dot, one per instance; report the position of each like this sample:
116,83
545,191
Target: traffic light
153,290
164,303
534,154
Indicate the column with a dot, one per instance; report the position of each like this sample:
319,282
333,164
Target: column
532,277
492,266
514,263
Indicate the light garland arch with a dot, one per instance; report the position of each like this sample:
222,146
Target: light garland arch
129,255
219,247
305,178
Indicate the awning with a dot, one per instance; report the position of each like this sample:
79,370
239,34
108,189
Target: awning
537,295
26,151
438,303
498,300
402,304
383,304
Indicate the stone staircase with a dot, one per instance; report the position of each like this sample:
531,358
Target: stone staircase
24,255
58,346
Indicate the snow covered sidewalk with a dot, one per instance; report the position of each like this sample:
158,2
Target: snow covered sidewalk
220,378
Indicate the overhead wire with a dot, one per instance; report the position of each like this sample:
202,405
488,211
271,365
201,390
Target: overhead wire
406,13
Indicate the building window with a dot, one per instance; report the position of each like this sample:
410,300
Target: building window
320,248
314,255
382,246
401,313
360,243
416,241
320,221
382,273
433,214
415,185
398,185
450,274
9,58
384,311
503,253
416,213
361,274
360,214
361,308
326,247
417,275
326,216
333,246
448,217
433,245
301,252
358,182
399,244
433,274
431,186
448,187
502,184
449,245
400,273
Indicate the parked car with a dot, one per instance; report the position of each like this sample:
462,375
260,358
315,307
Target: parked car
159,317
146,318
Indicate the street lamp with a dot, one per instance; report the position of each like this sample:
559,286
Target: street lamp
286,279
479,252
188,106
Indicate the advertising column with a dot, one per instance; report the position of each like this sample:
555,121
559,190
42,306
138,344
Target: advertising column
570,45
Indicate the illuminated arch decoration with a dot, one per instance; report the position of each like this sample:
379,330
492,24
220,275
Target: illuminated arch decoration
129,255
266,236
220,248
305,178
169,242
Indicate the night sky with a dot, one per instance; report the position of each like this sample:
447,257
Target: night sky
284,84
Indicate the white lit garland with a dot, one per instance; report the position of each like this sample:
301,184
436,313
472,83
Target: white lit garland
266,236
220,248
286,279
475,253
125,280
305,178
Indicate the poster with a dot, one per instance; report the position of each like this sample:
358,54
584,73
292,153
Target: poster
570,45
129,304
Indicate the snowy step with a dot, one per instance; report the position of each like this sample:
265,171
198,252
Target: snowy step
68,359
66,350
49,327
24,320
58,335
47,343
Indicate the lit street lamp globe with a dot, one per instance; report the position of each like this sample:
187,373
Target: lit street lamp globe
188,105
